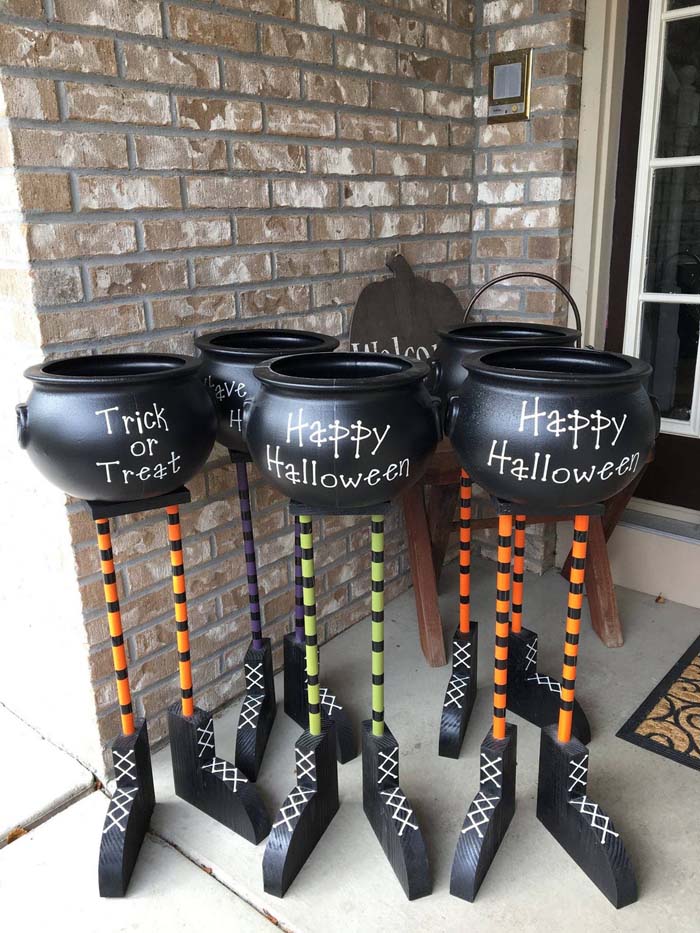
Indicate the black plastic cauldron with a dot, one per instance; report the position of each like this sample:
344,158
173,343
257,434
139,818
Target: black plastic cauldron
229,358
342,431
457,343
553,428
117,427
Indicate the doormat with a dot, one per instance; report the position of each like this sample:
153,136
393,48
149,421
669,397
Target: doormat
668,721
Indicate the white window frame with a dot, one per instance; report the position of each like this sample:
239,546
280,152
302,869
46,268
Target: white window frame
646,164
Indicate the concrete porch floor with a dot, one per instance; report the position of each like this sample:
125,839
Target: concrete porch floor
347,883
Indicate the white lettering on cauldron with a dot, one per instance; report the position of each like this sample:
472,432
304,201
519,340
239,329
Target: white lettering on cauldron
133,427
225,390
362,440
571,427
419,352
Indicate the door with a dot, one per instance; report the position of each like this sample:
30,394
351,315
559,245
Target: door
655,265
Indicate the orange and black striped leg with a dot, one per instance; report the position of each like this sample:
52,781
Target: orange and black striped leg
213,785
131,806
491,811
461,687
578,823
532,695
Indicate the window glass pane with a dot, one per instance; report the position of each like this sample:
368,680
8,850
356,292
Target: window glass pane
680,96
670,344
673,251
680,4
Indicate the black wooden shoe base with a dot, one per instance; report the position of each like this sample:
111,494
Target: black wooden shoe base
577,823
460,693
209,783
390,813
488,816
129,811
534,696
258,710
306,812
296,700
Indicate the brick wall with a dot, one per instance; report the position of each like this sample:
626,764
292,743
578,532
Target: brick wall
168,167
524,178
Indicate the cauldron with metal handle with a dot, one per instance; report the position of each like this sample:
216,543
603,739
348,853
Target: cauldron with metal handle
117,427
343,430
455,344
553,427
229,358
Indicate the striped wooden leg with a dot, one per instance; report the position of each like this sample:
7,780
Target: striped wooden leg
491,811
500,672
532,695
377,543
388,809
259,705
576,821
295,685
114,620
313,802
130,808
177,566
308,582
211,784
461,687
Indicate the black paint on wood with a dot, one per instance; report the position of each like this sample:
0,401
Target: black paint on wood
211,784
536,696
403,314
129,811
461,692
99,509
258,710
306,812
390,813
578,824
488,816
296,700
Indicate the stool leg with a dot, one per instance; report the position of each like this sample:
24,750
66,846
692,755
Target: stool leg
532,695
313,802
209,783
295,680
491,811
576,821
259,705
461,687
129,811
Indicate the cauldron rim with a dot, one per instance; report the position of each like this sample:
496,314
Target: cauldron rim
570,362
401,371
526,333
136,368
213,344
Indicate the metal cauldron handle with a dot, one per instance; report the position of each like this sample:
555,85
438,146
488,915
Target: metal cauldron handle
528,275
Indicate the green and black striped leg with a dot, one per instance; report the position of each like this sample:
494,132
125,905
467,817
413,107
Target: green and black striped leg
208,782
295,687
388,810
532,695
313,802
576,821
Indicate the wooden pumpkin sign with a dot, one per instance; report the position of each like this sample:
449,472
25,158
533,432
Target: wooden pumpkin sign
403,314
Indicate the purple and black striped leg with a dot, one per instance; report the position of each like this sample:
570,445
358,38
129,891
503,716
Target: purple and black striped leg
295,694
259,703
